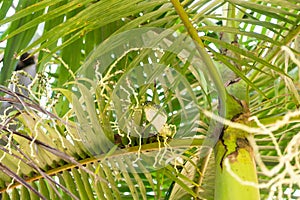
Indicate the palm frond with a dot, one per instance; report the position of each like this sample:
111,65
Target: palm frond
89,145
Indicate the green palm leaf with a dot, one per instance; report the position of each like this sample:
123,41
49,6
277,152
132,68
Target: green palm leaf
94,138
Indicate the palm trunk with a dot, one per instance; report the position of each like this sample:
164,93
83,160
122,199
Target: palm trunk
236,175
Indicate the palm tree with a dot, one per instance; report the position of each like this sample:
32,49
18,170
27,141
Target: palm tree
152,100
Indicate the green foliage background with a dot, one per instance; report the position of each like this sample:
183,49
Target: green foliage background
257,41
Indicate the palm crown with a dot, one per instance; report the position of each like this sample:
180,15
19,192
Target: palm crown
88,132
